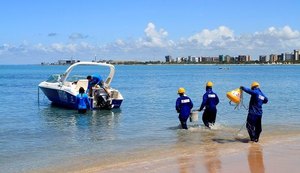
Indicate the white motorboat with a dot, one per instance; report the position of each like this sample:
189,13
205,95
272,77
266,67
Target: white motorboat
62,89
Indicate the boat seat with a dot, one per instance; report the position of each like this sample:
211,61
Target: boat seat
114,94
81,83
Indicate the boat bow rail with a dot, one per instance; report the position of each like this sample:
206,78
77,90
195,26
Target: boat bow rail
108,79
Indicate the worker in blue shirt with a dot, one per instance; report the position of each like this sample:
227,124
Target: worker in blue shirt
255,110
94,80
209,102
82,101
183,106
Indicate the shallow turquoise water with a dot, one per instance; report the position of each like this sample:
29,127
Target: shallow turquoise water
36,134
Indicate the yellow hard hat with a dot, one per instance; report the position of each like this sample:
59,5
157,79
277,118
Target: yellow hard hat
254,84
181,90
209,84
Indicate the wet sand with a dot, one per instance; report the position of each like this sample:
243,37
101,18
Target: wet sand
273,154
250,157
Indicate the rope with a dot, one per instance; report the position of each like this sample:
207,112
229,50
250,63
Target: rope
238,106
241,128
242,100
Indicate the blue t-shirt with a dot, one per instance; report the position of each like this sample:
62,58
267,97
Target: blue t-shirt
83,101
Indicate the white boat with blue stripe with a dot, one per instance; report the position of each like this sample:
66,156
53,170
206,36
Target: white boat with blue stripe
61,89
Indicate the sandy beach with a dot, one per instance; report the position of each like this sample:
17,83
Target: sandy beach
226,156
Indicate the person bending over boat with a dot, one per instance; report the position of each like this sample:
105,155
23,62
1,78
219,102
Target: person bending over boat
94,80
255,110
83,101
183,106
209,102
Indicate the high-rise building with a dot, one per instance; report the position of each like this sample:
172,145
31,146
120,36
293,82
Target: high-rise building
288,56
273,58
194,59
280,57
221,58
168,58
296,55
243,58
262,58
227,58
189,59
283,56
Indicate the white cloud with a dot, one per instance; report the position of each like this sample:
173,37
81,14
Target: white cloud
285,33
272,39
4,48
219,36
12,49
63,48
154,37
120,42
156,42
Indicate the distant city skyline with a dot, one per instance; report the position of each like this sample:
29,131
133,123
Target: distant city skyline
273,57
46,31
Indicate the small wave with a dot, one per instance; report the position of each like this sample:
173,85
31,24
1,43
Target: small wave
216,126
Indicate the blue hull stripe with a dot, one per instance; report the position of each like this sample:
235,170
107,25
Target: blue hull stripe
60,98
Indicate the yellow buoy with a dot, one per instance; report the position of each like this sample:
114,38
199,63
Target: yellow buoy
234,95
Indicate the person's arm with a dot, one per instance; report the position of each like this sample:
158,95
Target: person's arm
217,99
88,87
248,90
265,100
177,106
88,103
204,100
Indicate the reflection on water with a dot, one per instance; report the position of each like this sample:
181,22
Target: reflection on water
255,159
186,159
190,144
91,126
211,156
186,162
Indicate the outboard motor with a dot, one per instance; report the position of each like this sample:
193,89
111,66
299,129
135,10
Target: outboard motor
102,99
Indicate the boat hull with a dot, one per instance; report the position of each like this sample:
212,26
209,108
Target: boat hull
68,100
60,98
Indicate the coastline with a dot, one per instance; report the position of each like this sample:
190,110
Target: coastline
226,156
252,158
171,64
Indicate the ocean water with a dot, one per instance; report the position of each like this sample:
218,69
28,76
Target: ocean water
36,136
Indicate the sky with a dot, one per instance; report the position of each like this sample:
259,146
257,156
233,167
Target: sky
35,31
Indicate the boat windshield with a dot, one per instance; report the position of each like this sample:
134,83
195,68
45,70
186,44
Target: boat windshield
76,78
53,78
